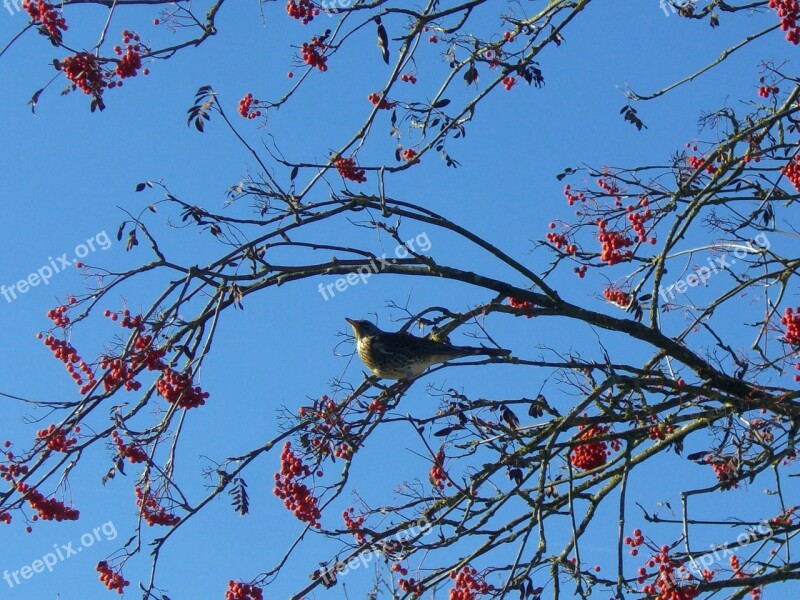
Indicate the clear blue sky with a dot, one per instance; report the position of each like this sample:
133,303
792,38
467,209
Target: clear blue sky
67,176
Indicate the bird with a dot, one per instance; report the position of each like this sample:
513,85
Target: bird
383,40
402,355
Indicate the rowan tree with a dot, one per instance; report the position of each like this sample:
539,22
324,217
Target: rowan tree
650,403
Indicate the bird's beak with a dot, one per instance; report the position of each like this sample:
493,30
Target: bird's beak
354,325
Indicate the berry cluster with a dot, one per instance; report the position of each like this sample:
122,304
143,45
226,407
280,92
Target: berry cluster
177,388
635,541
128,322
468,585
617,296
760,431
122,371
377,407
412,586
782,520
343,451
408,78
559,239
438,475
131,61
755,594
749,156
58,315
303,10
57,438
638,220
84,71
328,427
695,162
49,509
410,155
791,320
765,91
666,585
118,374
659,430
130,451
129,36
788,12
606,183
63,351
590,454
13,470
129,64
498,55
110,578
612,244
398,568
380,101
573,198
46,15
347,168
5,517
353,525
244,107
295,495
508,82
152,511
726,470
145,354
238,590
521,305
792,172
313,54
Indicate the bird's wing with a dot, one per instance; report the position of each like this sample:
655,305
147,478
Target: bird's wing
405,343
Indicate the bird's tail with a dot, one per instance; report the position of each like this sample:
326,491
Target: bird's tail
485,351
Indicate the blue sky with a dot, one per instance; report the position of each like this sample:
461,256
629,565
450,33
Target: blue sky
69,175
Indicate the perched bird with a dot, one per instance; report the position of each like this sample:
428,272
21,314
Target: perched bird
402,355
383,40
